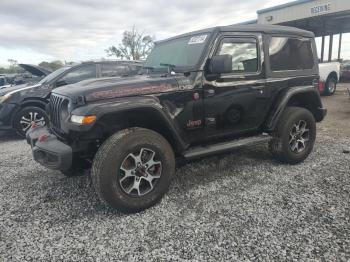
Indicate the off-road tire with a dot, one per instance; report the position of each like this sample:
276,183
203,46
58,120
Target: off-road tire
23,112
328,91
279,145
109,158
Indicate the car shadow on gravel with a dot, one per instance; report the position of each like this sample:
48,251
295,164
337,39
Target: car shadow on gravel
9,136
75,197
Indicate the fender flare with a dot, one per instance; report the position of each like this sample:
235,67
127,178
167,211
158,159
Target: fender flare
282,100
42,102
122,106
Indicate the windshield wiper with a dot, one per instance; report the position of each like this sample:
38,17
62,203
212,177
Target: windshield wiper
148,67
171,68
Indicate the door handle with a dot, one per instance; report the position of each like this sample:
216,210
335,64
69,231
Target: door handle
209,92
258,87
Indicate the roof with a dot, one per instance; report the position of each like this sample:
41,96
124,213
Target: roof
113,61
277,7
268,29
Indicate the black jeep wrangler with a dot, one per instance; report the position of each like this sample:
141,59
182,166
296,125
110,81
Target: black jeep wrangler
201,93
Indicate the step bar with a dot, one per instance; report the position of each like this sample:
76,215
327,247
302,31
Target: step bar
202,151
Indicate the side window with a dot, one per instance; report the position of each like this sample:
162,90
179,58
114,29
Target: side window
80,74
110,70
244,54
290,54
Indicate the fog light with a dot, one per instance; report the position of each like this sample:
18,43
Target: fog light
83,120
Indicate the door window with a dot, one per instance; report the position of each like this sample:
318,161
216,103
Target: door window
244,54
80,74
290,54
110,70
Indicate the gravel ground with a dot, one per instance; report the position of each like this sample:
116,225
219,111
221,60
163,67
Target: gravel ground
239,206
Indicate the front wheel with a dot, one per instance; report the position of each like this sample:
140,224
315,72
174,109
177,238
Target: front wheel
133,168
294,137
26,116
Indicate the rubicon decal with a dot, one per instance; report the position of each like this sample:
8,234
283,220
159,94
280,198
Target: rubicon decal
129,90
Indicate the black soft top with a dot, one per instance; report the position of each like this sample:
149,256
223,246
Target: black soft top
268,29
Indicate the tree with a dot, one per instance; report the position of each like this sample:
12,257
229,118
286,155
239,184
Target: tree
13,68
54,65
134,46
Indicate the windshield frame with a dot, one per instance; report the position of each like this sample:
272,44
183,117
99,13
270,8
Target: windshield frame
197,66
57,73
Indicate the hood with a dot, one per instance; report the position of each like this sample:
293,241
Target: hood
106,88
17,88
36,70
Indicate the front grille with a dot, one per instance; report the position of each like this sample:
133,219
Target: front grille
56,106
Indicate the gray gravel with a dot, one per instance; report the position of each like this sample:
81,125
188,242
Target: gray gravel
240,206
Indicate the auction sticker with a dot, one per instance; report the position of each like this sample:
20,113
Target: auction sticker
198,39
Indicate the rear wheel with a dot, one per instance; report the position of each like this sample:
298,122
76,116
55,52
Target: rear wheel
26,116
331,86
132,170
294,137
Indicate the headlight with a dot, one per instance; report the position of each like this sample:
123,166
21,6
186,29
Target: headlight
83,120
4,98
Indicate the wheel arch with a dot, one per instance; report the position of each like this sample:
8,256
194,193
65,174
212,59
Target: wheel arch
41,103
306,97
331,75
146,117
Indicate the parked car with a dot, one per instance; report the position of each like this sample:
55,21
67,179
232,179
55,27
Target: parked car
345,71
4,82
205,93
329,77
32,74
20,105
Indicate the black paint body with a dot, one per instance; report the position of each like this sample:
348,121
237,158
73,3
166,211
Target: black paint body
190,108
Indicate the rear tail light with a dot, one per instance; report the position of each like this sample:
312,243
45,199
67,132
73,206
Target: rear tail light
321,86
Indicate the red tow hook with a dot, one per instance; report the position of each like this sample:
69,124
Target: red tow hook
34,125
42,138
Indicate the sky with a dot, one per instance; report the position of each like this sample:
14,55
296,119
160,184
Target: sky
32,31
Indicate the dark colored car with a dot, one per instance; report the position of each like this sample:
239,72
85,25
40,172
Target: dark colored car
32,74
205,92
345,71
20,105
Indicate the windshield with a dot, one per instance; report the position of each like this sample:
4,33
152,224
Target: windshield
182,52
54,74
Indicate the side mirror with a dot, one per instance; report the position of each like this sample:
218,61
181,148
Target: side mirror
220,64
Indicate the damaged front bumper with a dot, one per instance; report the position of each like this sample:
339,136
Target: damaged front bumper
48,150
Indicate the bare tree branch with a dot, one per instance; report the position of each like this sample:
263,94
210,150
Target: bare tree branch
134,46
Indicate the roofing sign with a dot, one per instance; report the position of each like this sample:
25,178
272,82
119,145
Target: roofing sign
320,9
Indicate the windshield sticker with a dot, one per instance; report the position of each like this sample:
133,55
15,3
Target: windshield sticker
198,39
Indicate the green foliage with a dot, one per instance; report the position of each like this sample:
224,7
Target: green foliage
54,65
134,46
12,69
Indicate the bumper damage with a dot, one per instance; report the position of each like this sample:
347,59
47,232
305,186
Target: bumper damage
48,150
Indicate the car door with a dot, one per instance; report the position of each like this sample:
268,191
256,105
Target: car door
76,75
235,103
